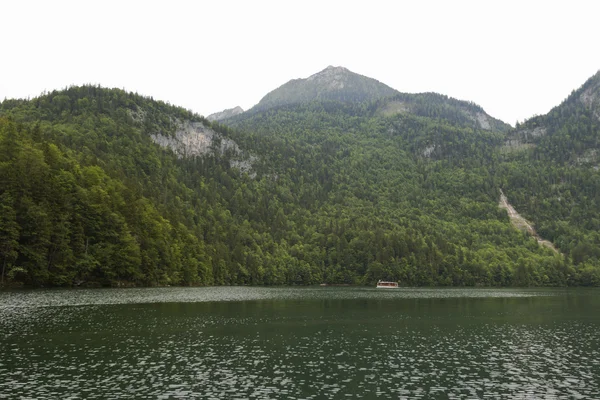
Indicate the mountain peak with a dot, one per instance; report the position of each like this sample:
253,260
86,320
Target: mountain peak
333,75
332,83
333,69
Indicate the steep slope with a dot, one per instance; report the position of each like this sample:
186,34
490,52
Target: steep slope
333,83
569,131
551,174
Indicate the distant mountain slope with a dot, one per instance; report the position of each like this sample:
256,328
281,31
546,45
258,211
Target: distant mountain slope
333,83
338,84
569,130
438,106
228,113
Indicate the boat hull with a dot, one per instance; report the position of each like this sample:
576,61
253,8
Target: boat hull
387,285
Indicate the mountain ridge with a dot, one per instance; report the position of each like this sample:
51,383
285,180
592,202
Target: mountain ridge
339,84
581,106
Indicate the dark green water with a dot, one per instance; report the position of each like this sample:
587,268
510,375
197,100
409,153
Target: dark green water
308,343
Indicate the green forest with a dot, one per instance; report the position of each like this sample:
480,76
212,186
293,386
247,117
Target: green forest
337,192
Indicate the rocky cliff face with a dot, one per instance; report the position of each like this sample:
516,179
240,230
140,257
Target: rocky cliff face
225,114
194,139
590,95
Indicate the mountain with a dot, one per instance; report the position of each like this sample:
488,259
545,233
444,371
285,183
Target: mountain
225,114
333,83
103,187
338,84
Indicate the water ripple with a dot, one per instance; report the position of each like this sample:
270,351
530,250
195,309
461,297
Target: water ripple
257,343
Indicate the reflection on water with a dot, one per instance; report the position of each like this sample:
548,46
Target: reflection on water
316,343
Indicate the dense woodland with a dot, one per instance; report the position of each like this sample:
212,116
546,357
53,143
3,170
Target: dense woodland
339,193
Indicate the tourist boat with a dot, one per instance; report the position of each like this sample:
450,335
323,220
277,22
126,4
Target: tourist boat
387,285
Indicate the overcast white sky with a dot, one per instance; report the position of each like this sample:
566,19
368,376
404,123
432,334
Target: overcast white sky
514,58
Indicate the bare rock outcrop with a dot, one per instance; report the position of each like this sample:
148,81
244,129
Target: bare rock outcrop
193,139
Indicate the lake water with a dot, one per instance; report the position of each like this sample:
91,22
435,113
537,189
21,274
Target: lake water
300,343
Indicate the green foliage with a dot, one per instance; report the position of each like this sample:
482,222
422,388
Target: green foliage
339,193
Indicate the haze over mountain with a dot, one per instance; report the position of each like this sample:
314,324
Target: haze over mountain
335,178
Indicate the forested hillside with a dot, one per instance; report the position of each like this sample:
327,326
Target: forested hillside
552,175
416,197
397,188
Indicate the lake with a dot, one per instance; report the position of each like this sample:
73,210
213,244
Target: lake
300,343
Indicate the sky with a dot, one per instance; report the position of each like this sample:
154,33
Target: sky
516,59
